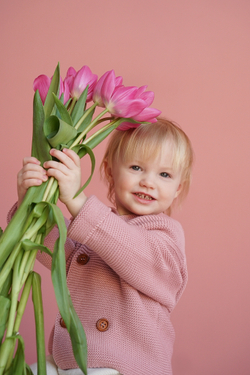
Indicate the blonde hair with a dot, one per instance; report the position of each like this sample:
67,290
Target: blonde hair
148,140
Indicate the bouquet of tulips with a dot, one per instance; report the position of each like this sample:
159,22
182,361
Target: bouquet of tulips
61,119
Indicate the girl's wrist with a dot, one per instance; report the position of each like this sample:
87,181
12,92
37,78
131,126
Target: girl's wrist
75,205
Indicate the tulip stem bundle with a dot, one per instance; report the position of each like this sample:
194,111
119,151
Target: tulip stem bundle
60,120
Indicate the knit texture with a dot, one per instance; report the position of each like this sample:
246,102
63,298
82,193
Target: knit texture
135,275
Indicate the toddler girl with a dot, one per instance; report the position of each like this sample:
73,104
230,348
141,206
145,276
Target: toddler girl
126,266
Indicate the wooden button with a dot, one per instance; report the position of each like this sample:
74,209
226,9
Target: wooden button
62,323
82,259
102,325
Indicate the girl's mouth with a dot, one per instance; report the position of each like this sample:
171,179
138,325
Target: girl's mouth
144,196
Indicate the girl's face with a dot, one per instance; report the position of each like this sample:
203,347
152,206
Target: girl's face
145,187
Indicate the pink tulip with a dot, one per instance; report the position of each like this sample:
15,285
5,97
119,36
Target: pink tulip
123,102
147,115
105,87
78,81
42,83
119,100
128,102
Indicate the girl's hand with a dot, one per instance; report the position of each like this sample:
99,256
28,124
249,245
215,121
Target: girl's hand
68,174
32,174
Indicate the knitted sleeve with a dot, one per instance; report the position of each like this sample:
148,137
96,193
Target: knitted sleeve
146,251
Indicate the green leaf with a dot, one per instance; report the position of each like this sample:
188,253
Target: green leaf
15,228
86,120
58,269
38,310
4,314
57,131
82,150
65,116
79,107
7,285
40,146
23,301
54,88
66,308
101,134
28,245
6,349
18,365
78,339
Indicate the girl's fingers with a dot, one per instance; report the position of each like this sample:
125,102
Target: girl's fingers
68,157
30,160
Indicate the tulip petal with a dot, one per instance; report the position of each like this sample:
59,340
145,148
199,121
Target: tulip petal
126,108
71,72
127,125
118,81
123,93
42,83
82,79
108,86
147,114
97,98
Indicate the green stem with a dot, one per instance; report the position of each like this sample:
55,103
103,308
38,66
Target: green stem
100,131
5,349
47,191
14,295
78,124
72,105
91,126
23,302
19,314
9,264
38,310
35,228
52,191
29,265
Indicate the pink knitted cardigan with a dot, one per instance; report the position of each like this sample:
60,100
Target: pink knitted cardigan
135,274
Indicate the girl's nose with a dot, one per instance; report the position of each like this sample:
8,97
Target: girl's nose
147,182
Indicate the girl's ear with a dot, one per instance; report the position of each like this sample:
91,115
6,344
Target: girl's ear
179,189
108,171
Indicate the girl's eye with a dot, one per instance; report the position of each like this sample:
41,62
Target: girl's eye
165,174
135,167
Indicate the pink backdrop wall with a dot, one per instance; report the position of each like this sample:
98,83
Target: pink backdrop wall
195,56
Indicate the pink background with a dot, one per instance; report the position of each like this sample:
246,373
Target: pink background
195,56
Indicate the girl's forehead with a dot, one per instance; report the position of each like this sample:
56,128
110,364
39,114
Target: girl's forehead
149,151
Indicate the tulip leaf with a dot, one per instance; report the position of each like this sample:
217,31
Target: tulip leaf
18,365
86,120
54,88
79,107
102,134
40,146
29,245
64,302
57,131
82,150
65,116
58,269
15,228
38,310
7,285
4,314
78,339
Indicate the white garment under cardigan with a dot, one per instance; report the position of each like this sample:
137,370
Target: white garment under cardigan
52,369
